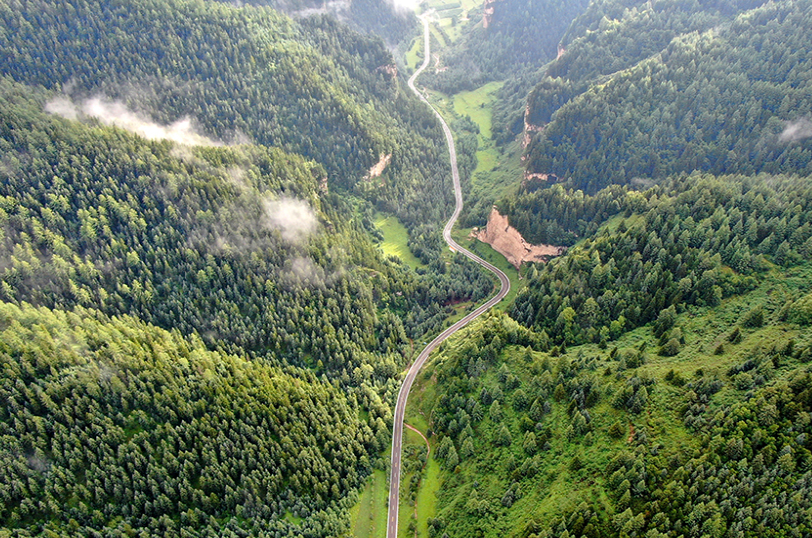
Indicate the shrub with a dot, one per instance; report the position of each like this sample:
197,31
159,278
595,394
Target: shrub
671,348
674,378
754,318
800,311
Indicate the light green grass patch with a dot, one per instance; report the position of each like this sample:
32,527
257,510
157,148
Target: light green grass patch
499,171
368,516
414,57
396,240
290,518
417,421
470,4
427,497
424,506
476,104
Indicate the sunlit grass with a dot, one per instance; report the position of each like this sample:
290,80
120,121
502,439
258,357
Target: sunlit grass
395,240
368,516
414,57
476,104
427,496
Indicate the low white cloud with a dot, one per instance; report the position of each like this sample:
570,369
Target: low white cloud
411,5
300,271
116,113
799,129
62,106
294,218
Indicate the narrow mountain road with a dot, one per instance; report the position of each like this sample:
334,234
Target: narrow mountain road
400,407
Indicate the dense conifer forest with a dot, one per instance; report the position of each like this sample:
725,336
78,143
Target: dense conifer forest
201,335
149,179
520,34
312,87
653,381
714,92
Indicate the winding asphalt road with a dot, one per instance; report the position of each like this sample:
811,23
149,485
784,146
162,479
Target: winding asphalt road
400,408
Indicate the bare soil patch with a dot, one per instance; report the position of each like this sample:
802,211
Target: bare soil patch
507,241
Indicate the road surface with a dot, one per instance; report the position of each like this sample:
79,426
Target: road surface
400,407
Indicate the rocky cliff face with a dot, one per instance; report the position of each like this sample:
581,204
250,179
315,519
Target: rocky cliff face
378,168
507,241
529,128
487,15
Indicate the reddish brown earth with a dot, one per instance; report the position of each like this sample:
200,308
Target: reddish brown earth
379,167
507,241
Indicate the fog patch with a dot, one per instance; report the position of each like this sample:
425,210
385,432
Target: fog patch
301,271
794,131
294,219
406,5
63,107
116,114
240,138
38,462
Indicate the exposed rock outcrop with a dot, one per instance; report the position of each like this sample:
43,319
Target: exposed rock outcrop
390,69
529,128
507,241
487,14
378,168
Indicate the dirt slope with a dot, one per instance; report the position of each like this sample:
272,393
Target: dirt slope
507,241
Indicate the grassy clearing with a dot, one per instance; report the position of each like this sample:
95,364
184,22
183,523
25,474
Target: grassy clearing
414,514
499,171
452,16
414,57
470,4
290,518
427,497
423,393
395,240
476,104
368,516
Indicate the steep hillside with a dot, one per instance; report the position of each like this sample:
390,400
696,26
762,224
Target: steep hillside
689,242
657,382
502,39
312,87
391,22
237,244
112,427
666,88
626,441
143,252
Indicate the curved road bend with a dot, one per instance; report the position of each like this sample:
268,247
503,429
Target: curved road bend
400,407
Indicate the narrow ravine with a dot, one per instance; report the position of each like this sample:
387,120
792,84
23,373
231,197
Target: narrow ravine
400,407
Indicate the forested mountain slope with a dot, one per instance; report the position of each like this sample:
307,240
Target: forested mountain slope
239,251
691,241
666,87
519,34
237,244
111,427
657,382
392,23
312,87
